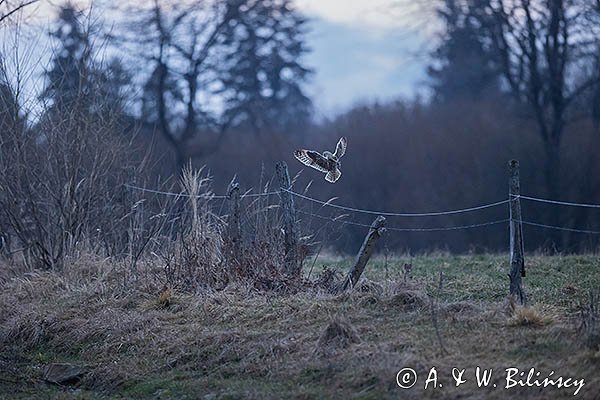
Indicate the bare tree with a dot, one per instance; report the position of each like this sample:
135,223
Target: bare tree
59,170
8,8
545,51
180,42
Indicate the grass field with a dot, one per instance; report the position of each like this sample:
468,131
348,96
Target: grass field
239,343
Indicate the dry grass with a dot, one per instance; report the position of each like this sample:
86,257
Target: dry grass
339,334
590,321
529,316
145,340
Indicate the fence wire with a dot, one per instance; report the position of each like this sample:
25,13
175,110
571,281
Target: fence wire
399,214
560,228
395,214
562,203
397,229
200,196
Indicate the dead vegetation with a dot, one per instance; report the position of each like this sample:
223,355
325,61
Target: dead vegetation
529,316
590,321
141,339
339,334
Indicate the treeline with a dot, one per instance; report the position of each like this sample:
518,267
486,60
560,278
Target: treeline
410,157
222,84
509,80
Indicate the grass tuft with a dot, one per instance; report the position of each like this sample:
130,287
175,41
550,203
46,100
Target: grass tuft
338,334
165,298
529,316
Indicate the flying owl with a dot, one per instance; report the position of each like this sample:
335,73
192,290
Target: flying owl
326,162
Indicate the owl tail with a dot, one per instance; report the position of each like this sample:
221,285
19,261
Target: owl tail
333,175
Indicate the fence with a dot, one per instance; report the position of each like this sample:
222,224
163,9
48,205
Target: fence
287,195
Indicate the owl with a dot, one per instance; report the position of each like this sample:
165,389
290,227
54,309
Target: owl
327,162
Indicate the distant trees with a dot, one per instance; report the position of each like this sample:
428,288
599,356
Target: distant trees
179,44
71,58
215,64
61,168
545,52
206,66
11,118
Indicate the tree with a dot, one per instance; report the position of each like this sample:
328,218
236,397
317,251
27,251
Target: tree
214,64
546,53
538,46
75,79
463,67
11,119
58,173
263,77
71,58
181,42
12,126
544,50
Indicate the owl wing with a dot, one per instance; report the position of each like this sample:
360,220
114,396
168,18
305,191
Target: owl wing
340,148
313,159
333,175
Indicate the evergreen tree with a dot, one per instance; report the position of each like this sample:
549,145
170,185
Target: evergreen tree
74,78
11,120
66,77
264,75
464,68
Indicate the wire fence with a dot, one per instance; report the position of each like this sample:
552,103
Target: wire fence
342,219
200,196
396,229
562,203
397,214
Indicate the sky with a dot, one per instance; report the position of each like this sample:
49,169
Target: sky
353,66
361,50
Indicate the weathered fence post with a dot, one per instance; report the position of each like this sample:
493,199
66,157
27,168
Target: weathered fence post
234,226
366,250
292,265
517,257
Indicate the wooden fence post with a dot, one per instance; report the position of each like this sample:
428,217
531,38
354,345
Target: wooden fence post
234,226
517,257
291,262
366,250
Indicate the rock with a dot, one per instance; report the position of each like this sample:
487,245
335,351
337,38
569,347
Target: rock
63,373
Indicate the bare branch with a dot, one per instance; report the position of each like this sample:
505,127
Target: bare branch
14,9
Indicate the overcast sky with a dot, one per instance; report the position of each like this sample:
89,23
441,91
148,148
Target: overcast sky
362,50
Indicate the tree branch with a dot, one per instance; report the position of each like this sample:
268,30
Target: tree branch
17,8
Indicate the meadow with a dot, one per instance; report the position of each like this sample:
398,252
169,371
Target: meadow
140,340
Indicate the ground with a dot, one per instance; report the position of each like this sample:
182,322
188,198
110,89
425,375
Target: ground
240,343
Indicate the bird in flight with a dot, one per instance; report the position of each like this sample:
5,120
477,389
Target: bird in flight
327,162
